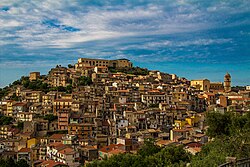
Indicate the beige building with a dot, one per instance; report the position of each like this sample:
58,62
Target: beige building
9,111
216,86
227,82
202,84
58,76
84,62
34,75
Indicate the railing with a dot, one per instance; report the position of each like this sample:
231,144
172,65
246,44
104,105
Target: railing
236,163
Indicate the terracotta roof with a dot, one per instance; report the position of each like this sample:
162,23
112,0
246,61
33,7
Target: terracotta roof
24,150
51,163
117,151
111,147
194,144
199,135
180,130
164,142
56,144
20,104
123,91
67,151
56,136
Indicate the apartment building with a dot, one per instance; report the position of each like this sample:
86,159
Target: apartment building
58,76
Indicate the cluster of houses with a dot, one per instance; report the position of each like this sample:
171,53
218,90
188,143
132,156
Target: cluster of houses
115,114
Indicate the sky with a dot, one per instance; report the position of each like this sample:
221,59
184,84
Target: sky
190,38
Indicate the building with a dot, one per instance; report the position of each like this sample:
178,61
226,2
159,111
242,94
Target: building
58,76
202,84
83,62
25,154
63,153
153,97
34,76
227,82
216,86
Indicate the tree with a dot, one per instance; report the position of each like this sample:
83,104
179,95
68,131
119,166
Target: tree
70,66
22,163
149,148
4,120
69,88
84,81
169,156
50,117
219,124
20,125
61,89
231,134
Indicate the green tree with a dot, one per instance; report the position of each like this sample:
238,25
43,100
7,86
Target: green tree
84,81
219,124
149,148
70,66
20,125
69,88
22,163
50,117
4,120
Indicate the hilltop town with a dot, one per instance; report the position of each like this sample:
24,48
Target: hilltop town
96,109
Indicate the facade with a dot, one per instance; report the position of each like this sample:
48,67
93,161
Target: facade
58,76
84,62
63,153
216,86
34,76
202,84
153,97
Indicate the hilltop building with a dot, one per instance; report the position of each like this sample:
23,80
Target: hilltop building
227,82
84,62
34,76
201,84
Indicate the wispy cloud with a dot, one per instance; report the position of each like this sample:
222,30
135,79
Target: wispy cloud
143,31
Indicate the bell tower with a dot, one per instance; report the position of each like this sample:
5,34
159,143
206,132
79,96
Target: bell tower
227,82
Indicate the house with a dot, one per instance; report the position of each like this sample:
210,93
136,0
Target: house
51,163
63,153
89,153
111,149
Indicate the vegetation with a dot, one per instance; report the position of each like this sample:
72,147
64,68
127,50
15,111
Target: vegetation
15,97
70,66
50,117
10,163
231,133
4,91
149,155
4,120
38,85
130,70
20,125
84,81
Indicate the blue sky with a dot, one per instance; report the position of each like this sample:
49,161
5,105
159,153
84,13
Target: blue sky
191,38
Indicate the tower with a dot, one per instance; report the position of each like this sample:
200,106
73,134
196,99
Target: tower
227,82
